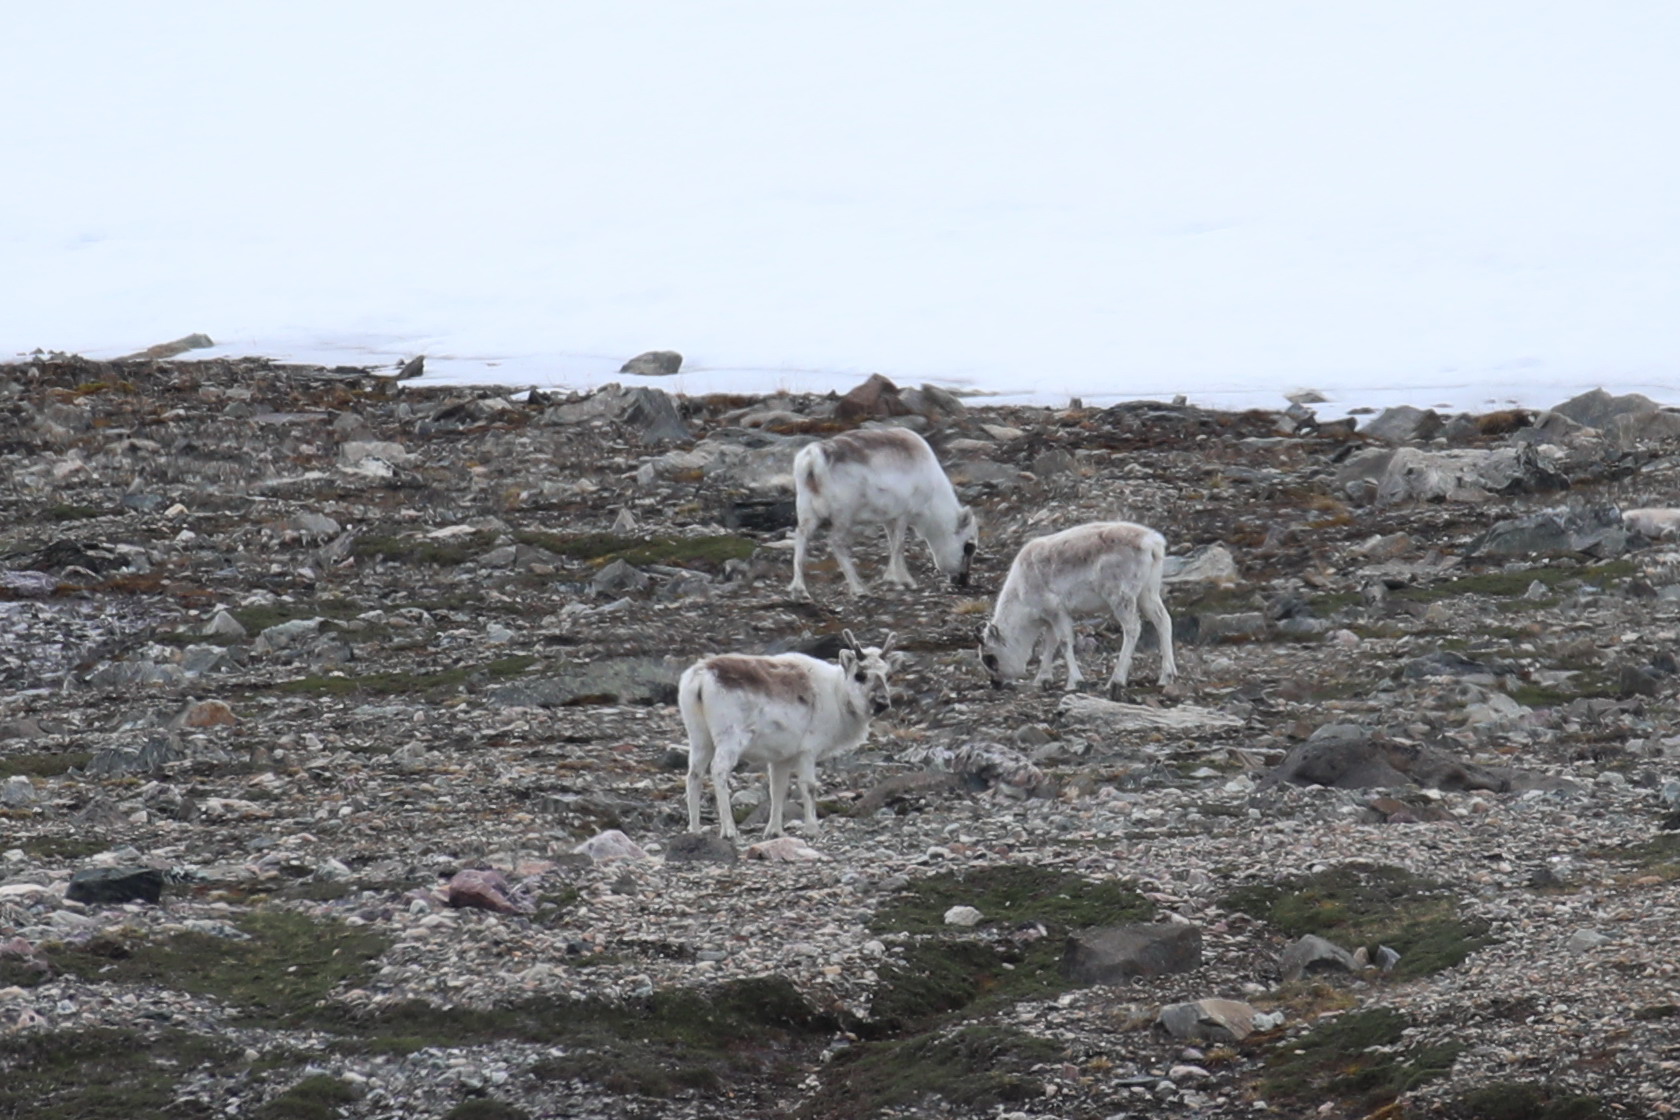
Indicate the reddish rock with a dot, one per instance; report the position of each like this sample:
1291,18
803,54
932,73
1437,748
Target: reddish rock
208,713
873,400
482,890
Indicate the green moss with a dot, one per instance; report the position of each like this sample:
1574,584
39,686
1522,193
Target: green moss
1354,1058
71,513
43,764
424,550
288,966
257,619
398,683
483,1108
69,848
1660,851
1525,1100
705,552
1514,584
1370,905
973,1068
1009,895
313,1098
102,1074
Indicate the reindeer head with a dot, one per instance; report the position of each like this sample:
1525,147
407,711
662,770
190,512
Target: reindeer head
999,657
966,535
866,669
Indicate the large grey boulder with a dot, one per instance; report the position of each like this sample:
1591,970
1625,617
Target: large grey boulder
1392,476
1312,953
1596,408
1404,424
653,363
1347,756
1210,563
115,884
650,413
1216,1020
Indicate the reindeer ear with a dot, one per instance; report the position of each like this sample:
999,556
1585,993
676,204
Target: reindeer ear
886,646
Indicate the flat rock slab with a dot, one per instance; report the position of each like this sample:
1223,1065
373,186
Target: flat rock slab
115,884
1217,1020
1311,953
1346,756
1115,716
1109,954
618,680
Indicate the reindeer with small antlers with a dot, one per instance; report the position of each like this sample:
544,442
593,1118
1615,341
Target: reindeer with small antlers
788,711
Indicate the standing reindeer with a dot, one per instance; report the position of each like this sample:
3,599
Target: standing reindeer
886,475
788,711
1106,565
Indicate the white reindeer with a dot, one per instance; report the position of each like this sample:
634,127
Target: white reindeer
1112,565
887,475
787,711
1657,523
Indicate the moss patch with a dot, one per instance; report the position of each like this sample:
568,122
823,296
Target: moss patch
1523,1100
701,552
424,550
1370,905
101,1074
1008,896
1514,584
483,1108
280,975
42,764
257,619
398,683
1353,1058
974,1068
1660,855
313,1098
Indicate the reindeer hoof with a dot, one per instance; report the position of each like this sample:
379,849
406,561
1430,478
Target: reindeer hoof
1116,691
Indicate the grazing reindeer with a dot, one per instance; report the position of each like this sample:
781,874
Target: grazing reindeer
788,712
887,475
1112,565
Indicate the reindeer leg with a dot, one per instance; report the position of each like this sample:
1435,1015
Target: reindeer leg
1063,623
801,541
779,773
897,570
808,792
1156,612
722,763
1126,610
840,542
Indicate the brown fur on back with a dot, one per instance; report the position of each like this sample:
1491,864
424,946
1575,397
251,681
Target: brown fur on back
1083,550
773,680
874,443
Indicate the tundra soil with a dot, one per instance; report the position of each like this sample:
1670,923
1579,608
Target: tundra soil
375,681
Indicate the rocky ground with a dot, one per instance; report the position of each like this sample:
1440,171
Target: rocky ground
341,772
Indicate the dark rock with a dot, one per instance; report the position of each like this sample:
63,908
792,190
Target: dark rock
699,847
1404,424
650,413
483,890
1447,663
170,349
1594,530
115,884
761,515
1217,1020
1637,680
653,363
1110,954
414,367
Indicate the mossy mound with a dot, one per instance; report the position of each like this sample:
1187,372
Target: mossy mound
314,1098
973,1068
1523,1100
102,1074
1355,1058
1370,905
279,975
1010,896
